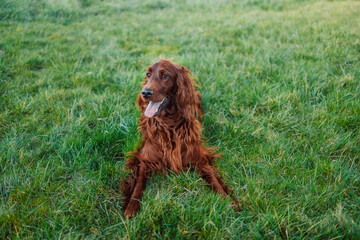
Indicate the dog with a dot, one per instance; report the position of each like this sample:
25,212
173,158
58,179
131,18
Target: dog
170,127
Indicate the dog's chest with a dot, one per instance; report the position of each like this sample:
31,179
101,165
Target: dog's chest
165,148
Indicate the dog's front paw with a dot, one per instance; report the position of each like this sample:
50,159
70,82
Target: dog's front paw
129,213
132,208
235,205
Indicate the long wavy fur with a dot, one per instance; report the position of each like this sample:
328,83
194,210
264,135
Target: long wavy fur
171,141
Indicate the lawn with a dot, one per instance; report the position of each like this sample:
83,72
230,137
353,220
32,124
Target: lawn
280,82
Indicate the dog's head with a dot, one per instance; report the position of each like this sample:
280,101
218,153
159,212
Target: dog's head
168,86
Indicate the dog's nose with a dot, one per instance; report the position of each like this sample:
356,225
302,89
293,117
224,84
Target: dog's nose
147,93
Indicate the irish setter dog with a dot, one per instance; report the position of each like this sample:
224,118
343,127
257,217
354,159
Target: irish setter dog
169,123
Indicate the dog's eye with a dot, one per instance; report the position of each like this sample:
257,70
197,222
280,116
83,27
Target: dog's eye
147,75
165,76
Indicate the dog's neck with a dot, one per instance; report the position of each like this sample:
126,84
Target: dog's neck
173,125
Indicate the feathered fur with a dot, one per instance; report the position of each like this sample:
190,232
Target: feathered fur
171,139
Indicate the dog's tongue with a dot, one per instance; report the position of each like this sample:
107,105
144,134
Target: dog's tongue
152,108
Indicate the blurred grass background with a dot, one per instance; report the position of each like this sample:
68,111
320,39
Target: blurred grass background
281,95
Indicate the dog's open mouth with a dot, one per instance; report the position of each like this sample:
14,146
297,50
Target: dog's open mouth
154,108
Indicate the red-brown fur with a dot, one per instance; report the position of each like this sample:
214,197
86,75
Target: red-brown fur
171,140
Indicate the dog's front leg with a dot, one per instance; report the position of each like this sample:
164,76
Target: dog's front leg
211,176
140,177
209,173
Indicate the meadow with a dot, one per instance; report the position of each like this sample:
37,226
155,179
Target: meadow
280,82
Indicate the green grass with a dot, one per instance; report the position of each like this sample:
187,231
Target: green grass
281,92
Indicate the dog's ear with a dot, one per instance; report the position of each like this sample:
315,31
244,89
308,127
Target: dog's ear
140,103
187,99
